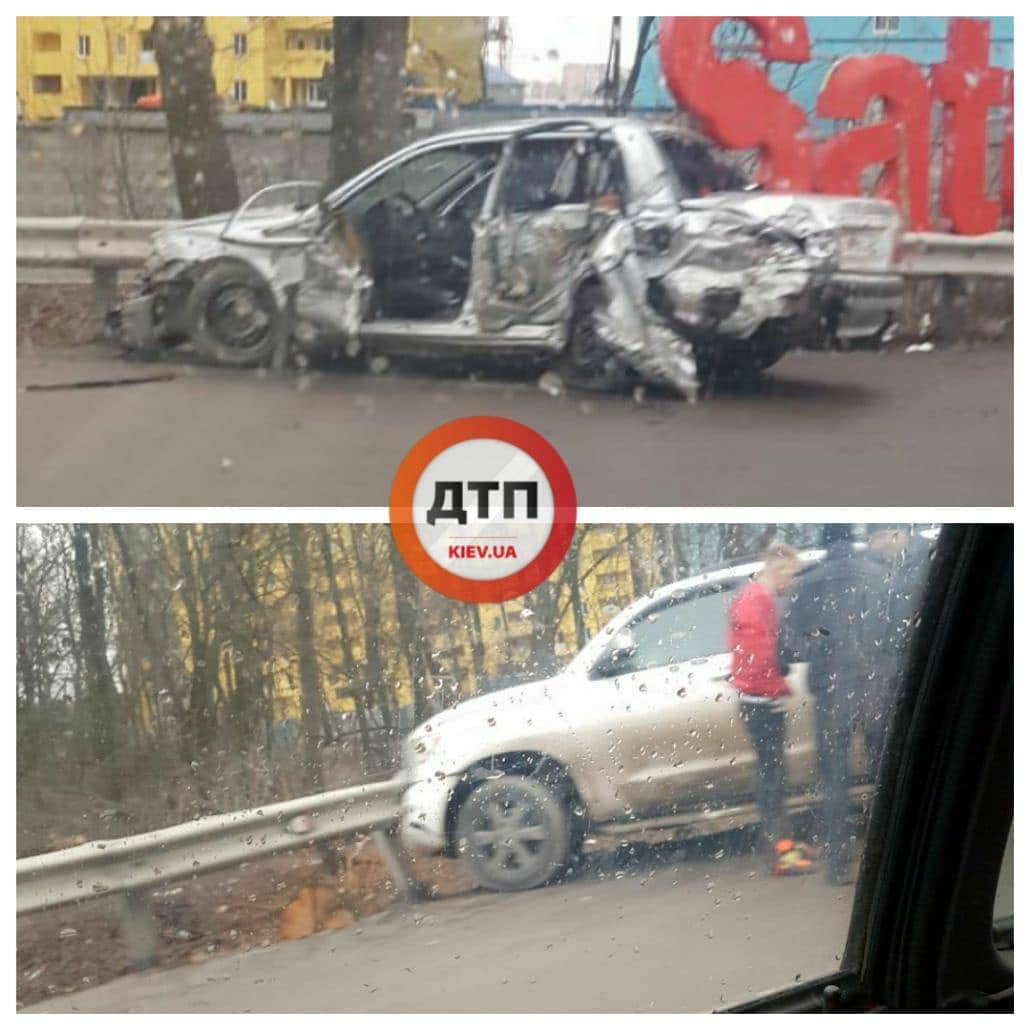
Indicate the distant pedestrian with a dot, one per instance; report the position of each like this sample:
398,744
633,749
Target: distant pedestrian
753,640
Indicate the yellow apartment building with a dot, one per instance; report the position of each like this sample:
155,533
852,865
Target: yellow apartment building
493,641
259,62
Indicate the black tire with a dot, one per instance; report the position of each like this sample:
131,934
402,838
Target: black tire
737,359
233,316
514,833
587,362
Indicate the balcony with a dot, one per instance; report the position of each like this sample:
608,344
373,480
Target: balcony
47,62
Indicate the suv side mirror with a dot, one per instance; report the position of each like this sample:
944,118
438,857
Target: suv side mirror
611,663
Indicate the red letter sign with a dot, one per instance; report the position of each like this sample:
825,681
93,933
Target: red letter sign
902,142
1006,172
734,99
968,87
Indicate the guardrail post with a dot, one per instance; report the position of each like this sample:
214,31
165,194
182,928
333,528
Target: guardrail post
103,299
399,866
139,931
953,310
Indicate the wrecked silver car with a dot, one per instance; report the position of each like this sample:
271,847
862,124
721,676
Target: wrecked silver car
615,250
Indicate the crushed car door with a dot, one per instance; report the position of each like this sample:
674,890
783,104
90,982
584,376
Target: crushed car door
400,247
547,204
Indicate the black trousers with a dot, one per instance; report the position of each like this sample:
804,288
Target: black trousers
765,726
834,727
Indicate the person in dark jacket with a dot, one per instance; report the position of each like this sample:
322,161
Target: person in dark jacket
823,626
899,560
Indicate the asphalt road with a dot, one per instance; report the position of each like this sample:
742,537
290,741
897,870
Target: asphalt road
822,429
669,935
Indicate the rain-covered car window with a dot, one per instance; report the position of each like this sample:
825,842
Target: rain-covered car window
689,629
231,737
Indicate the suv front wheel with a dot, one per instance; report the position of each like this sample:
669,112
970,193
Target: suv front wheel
514,833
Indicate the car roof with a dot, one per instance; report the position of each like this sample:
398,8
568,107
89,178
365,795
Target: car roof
722,574
524,126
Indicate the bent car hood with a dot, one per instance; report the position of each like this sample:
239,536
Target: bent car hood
193,238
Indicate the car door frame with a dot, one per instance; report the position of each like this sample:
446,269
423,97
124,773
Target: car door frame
500,316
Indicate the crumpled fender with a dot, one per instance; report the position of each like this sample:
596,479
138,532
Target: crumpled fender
716,254
629,325
336,291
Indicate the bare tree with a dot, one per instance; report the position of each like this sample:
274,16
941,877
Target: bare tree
367,94
101,699
312,702
204,174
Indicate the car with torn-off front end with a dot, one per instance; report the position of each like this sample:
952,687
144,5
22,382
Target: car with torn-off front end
614,249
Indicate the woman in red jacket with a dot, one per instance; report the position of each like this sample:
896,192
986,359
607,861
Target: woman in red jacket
755,672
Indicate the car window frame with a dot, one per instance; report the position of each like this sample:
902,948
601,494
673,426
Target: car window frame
341,207
723,586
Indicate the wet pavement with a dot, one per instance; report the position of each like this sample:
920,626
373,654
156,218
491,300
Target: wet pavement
669,934
820,429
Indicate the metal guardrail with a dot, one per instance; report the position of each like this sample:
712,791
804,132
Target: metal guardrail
106,245
101,246
84,242
127,866
943,254
99,243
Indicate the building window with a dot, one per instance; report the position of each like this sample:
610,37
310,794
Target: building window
886,26
82,48
146,47
48,42
239,43
294,41
121,46
314,94
240,91
46,84
324,41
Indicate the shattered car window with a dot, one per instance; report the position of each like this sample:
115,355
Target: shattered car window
545,173
698,167
416,179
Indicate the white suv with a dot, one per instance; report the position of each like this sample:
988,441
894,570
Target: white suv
640,727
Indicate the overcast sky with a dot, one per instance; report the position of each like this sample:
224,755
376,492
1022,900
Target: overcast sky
540,46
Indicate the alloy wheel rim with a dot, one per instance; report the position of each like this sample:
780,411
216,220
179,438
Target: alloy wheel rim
508,833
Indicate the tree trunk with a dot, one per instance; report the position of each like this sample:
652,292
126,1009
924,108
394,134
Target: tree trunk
161,675
312,701
371,580
198,715
101,700
204,175
407,594
367,94
357,688
641,562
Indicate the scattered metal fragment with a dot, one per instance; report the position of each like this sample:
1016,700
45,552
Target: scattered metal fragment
90,384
